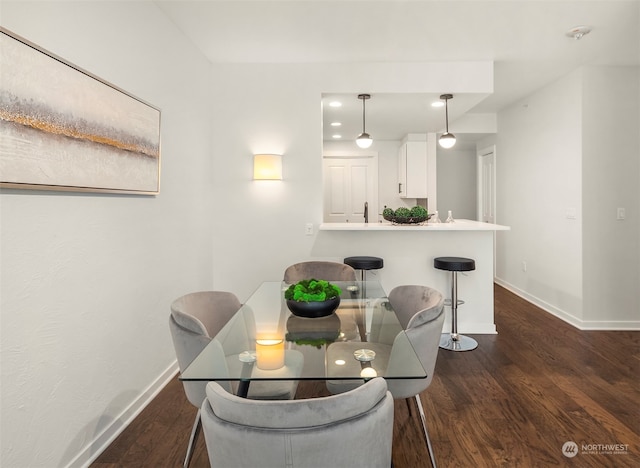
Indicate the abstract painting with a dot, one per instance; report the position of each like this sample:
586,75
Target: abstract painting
62,128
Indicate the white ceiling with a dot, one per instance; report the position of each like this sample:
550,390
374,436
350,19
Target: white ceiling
526,40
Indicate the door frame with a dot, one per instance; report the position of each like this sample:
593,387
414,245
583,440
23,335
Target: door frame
480,192
479,155
373,155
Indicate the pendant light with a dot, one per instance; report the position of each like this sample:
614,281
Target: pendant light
447,140
364,139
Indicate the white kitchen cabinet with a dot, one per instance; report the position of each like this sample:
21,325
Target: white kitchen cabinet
417,167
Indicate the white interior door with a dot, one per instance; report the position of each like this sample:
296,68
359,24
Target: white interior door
487,187
349,182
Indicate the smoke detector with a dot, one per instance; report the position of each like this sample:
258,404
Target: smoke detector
578,32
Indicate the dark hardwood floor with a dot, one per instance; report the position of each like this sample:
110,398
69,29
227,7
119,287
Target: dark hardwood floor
512,402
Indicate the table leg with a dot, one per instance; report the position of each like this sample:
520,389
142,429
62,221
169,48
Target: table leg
245,381
243,388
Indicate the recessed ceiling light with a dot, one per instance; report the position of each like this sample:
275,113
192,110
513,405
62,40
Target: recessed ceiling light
336,124
337,137
437,104
335,104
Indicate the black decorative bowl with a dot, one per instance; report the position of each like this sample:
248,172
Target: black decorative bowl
313,309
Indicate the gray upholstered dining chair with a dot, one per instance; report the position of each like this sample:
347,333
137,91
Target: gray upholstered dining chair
195,319
420,311
330,271
353,429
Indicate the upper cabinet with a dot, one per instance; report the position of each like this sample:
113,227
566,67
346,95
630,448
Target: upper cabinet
417,167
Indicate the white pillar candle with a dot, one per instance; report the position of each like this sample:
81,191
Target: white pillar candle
270,354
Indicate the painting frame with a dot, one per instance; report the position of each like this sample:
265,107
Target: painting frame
63,128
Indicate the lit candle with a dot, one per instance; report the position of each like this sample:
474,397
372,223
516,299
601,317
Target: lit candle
270,354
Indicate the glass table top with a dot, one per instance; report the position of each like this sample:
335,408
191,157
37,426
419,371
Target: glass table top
265,341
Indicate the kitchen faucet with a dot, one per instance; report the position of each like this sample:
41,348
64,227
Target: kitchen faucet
366,212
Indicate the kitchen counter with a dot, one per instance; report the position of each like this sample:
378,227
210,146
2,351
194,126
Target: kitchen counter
408,252
457,225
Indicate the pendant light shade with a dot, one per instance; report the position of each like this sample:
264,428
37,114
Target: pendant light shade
364,140
447,140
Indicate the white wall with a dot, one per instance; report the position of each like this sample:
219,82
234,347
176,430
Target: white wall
539,178
87,279
556,157
457,183
611,164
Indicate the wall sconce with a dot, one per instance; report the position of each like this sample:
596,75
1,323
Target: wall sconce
270,354
267,167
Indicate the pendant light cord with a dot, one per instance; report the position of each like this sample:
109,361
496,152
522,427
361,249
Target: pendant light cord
363,116
446,114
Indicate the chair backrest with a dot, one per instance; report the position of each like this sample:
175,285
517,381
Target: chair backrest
420,310
195,319
330,271
352,429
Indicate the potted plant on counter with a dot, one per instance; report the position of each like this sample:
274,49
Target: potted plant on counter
312,298
403,215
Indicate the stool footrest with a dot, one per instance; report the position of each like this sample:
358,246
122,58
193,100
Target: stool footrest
448,302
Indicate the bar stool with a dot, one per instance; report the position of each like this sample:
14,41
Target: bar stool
363,264
454,341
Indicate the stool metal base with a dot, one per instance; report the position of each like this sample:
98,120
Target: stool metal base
460,343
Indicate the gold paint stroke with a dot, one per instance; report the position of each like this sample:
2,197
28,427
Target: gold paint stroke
56,129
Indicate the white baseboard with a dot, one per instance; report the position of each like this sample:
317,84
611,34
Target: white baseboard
611,325
103,440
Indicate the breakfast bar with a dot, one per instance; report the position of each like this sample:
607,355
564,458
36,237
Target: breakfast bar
408,252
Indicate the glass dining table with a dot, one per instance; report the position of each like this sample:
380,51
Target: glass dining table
264,341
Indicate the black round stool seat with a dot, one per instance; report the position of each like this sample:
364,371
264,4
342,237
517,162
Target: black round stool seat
454,263
454,341
364,263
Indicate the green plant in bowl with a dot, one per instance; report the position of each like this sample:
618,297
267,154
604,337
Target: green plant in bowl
312,290
418,212
402,212
387,213
404,215
312,298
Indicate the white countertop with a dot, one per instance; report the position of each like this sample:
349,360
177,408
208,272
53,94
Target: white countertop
457,225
